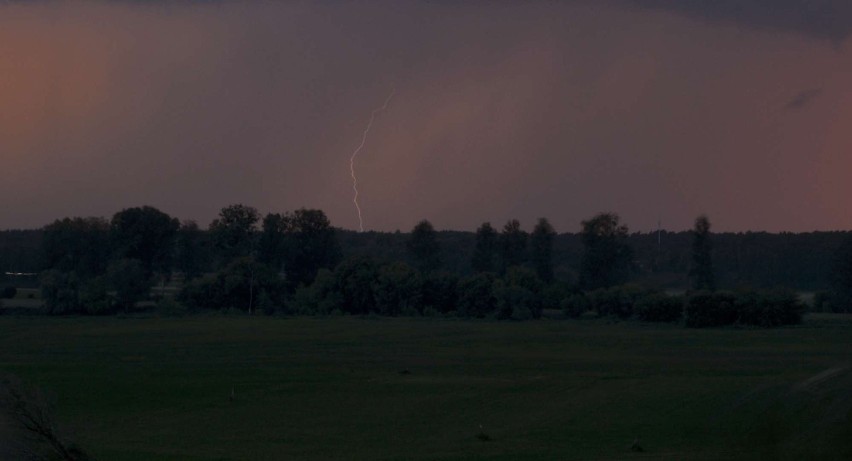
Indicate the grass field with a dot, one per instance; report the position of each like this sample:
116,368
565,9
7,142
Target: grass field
349,388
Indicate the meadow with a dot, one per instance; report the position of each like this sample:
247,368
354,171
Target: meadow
224,387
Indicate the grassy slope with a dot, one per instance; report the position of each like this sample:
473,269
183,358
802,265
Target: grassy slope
137,389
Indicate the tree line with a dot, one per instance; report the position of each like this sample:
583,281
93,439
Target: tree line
802,261
294,262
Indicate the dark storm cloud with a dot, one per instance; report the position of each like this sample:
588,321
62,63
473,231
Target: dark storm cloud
502,110
803,99
825,19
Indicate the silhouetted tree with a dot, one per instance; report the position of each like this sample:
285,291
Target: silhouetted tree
476,295
312,246
95,297
356,278
607,258
486,246
127,277
79,245
243,284
76,252
60,291
513,245
701,270
272,247
423,247
440,291
147,235
519,294
759,259
320,297
399,290
247,284
234,231
191,256
542,249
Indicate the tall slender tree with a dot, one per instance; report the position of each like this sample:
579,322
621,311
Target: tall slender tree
424,248
190,254
542,249
607,259
272,246
486,245
513,245
701,270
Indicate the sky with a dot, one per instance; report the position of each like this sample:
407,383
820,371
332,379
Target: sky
658,110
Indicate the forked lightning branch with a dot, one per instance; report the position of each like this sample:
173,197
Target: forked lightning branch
354,154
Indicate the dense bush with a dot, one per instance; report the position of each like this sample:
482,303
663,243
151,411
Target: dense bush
60,291
476,295
95,298
398,289
169,307
244,284
659,307
515,302
440,292
121,287
554,294
755,308
625,301
709,309
202,293
321,297
356,278
361,285
130,282
769,308
575,305
616,301
8,292
518,294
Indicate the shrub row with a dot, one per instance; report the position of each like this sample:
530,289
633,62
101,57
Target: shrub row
698,309
757,308
242,285
361,286
66,292
624,302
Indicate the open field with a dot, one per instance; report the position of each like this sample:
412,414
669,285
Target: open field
349,388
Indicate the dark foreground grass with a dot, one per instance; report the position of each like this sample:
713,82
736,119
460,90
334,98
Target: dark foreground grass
348,388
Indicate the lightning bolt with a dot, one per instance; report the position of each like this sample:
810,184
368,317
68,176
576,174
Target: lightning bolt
355,154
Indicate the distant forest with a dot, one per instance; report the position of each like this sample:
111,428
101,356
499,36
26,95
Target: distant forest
799,261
